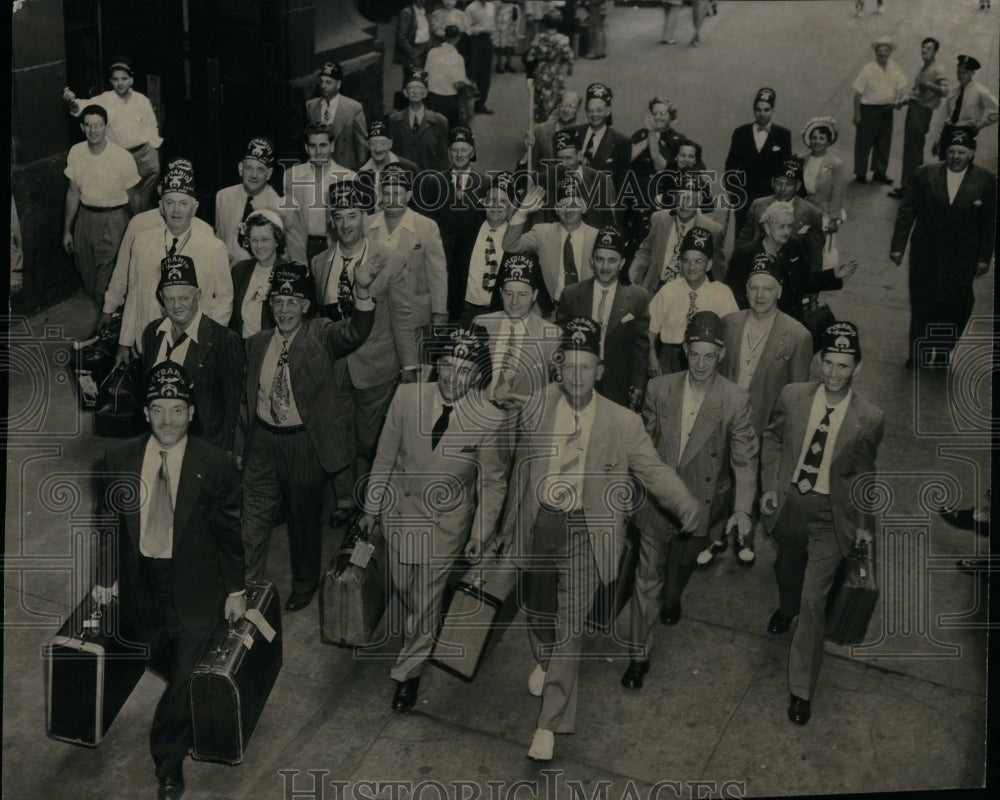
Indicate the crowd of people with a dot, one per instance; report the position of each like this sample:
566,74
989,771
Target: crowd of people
606,313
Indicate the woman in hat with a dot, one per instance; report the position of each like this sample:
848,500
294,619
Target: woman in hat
548,61
822,172
263,234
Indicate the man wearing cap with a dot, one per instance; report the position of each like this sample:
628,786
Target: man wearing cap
951,210
564,248
445,76
101,174
971,105
176,557
601,146
295,421
179,237
673,306
482,290
879,89
254,192
623,314
419,134
307,188
807,222
657,259
343,115
596,187
132,125
566,536
481,18
540,138
211,354
821,440
443,432
756,150
699,421
381,155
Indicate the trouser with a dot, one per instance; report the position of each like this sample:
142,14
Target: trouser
480,64
596,33
940,307
671,357
174,653
559,594
147,161
97,235
918,122
420,588
284,466
874,136
446,104
806,565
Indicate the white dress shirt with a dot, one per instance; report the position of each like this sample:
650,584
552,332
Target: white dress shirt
760,136
821,484
179,353
566,422
602,315
690,406
131,122
254,299
954,180
444,67
669,307
879,87
151,462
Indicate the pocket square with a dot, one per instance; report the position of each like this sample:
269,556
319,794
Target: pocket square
775,148
803,230
978,203
628,318
610,467
417,246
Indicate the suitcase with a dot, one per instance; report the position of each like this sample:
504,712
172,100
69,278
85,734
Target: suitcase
352,597
90,670
610,598
234,678
482,601
120,399
94,360
852,600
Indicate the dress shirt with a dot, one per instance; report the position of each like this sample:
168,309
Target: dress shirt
597,136
879,87
151,462
481,17
668,309
576,240
131,122
565,423
268,367
930,74
979,106
690,406
179,353
520,330
819,406
371,166
760,136
474,291
954,180
378,229
444,67
331,292
254,299
755,334
670,269
328,108
423,32
104,179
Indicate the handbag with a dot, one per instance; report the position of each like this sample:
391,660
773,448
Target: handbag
817,317
118,410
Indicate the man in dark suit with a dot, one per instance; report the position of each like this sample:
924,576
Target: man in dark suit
951,209
540,137
210,354
343,115
623,314
756,150
295,422
596,188
412,36
699,421
176,560
601,146
821,440
419,134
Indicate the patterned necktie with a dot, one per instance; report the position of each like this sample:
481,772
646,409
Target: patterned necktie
160,520
570,275
600,317
280,388
345,296
177,343
173,248
247,209
440,426
588,151
814,455
490,276
957,111
327,119
692,305
670,270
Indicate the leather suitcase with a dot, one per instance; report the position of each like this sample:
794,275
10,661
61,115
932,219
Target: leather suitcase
352,598
91,669
94,359
234,678
481,603
118,410
610,598
852,600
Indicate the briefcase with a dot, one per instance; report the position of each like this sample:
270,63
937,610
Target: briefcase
120,399
94,359
91,669
483,601
610,598
234,678
352,595
852,600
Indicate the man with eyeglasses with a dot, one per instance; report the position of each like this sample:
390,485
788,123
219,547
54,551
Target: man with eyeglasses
540,139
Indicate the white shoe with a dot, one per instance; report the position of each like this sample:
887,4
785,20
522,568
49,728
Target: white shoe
705,557
536,682
542,744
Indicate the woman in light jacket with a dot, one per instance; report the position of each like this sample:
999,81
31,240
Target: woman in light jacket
823,179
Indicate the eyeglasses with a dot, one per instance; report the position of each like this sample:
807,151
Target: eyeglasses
693,262
94,126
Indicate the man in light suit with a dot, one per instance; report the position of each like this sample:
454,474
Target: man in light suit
951,209
821,440
563,248
253,193
342,115
699,421
295,422
419,134
623,314
435,432
601,146
596,187
212,355
176,559
565,535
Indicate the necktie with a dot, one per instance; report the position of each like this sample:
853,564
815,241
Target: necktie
509,364
326,113
570,275
692,305
345,296
247,209
588,151
173,248
160,521
814,455
570,465
177,343
600,317
490,276
440,426
957,111
280,389
414,125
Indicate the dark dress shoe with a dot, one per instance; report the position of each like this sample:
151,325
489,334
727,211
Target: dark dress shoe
798,710
898,193
671,615
482,110
964,519
632,679
405,695
299,600
883,179
778,624
171,788
860,179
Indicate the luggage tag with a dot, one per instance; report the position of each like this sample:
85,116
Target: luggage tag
245,638
94,622
257,619
362,553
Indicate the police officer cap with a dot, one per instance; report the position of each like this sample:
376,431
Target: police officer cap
610,237
705,326
700,239
177,270
581,333
969,63
290,280
168,381
522,267
841,337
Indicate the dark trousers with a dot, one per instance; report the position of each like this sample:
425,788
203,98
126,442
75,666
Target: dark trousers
873,136
446,104
944,302
284,466
480,63
918,122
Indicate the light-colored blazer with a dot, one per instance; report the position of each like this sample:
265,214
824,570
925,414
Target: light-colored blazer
649,258
350,131
229,203
546,240
830,185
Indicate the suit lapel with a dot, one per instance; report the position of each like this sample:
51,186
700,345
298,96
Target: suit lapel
670,428
708,417
619,308
848,428
773,347
187,487
198,352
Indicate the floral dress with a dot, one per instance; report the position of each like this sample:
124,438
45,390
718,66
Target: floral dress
505,35
548,60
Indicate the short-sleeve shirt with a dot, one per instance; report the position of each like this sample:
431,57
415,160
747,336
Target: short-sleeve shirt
103,179
879,87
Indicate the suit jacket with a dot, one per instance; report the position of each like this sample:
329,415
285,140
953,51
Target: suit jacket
391,344
207,551
350,131
428,147
648,259
598,190
854,454
807,227
242,272
721,440
407,51
546,240
618,450
229,203
215,366
301,194
613,154
949,239
626,342
759,167
542,149
830,185
785,359
324,408
416,474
